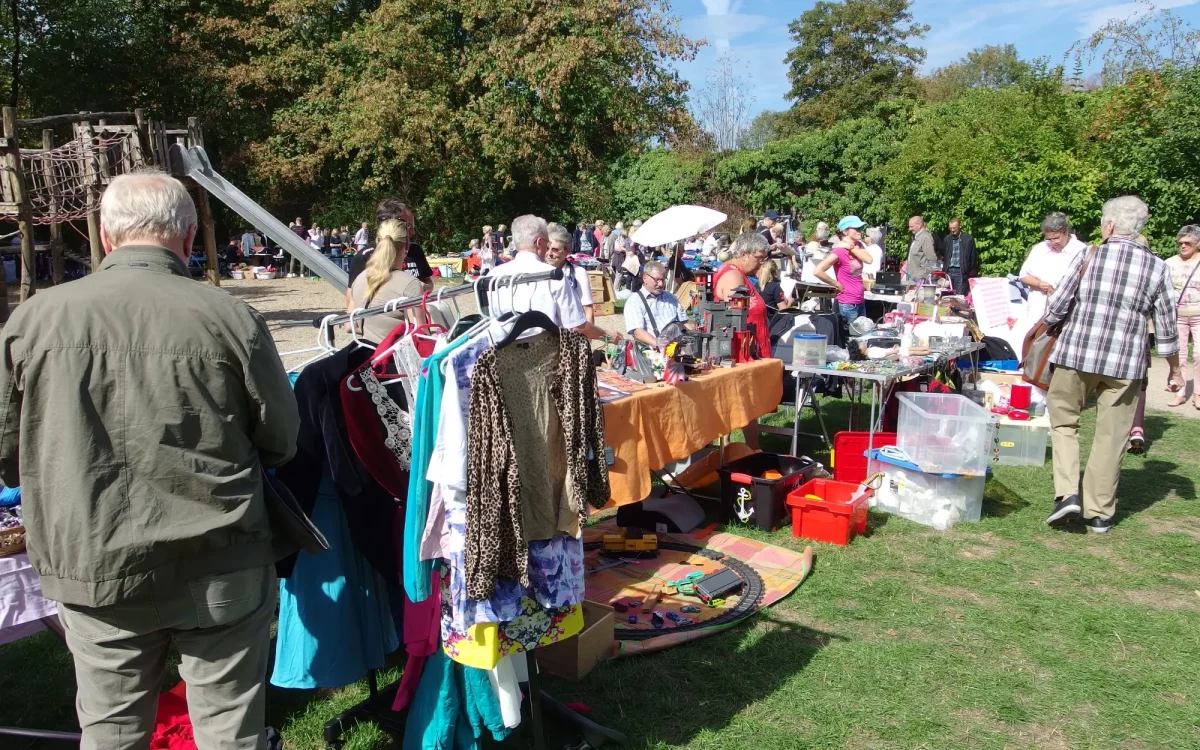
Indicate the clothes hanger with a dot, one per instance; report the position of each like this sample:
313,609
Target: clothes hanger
324,344
527,321
359,343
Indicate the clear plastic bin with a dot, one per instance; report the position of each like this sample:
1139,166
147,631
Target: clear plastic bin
946,433
808,349
1022,443
938,500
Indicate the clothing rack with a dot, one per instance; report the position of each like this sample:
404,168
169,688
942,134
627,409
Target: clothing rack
378,705
481,288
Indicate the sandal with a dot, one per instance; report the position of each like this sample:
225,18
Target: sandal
1137,441
1180,400
1196,401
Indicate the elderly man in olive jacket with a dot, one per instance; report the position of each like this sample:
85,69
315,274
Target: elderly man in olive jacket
137,409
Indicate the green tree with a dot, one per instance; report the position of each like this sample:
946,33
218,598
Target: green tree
1149,39
990,67
1148,142
1000,160
824,174
764,128
646,183
852,52
473,109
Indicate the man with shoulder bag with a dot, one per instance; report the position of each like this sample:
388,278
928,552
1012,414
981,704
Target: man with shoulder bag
1101,311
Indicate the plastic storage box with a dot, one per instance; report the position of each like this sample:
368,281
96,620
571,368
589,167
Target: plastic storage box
1022,443
747,497
849,458
937,500
946,433
826,510
808,349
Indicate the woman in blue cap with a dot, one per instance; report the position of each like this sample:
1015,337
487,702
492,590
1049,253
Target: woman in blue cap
847,258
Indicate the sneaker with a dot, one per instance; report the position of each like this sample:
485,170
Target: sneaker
1065,507
1099,525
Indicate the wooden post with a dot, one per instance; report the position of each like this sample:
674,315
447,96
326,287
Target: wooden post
93,198
143,139
24,211
56,240
207,228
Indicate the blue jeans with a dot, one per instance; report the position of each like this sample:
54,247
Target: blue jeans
850,312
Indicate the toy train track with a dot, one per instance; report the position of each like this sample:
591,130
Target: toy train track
751,595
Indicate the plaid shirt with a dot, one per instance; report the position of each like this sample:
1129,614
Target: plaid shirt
1105,333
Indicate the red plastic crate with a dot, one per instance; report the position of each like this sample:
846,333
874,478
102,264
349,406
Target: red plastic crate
848,460
832,518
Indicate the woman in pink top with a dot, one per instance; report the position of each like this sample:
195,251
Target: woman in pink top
847,257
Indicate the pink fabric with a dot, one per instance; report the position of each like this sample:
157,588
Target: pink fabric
1186,325
433,538
849,275
422,629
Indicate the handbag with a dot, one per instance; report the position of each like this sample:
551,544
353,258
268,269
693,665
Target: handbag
1040,342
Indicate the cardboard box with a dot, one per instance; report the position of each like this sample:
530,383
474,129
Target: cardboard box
603,308
573,658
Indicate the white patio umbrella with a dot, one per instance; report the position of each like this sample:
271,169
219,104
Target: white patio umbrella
677,223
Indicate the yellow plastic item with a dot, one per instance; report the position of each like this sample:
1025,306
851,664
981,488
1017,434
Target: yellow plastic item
484,647
772,474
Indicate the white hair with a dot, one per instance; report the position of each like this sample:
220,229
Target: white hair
1127,213
749,243
526,229
559,234
146,205
1190,231
875,235
822,232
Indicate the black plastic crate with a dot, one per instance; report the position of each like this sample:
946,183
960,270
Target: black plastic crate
767,499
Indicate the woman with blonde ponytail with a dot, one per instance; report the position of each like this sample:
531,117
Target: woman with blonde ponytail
383,280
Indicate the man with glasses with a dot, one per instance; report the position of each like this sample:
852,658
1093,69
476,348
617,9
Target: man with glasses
651,309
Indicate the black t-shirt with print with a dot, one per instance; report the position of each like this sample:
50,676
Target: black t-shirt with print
414,263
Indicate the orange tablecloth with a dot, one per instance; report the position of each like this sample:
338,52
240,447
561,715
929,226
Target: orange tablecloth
653,427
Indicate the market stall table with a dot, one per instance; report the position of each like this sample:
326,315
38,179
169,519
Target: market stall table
881,380
661,423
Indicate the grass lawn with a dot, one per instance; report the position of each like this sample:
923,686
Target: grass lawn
1001,634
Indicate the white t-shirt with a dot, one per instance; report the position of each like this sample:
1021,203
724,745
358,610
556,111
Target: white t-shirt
579,284
876,259
557,299
1050,267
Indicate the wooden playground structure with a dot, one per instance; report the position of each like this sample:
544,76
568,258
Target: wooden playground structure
62,182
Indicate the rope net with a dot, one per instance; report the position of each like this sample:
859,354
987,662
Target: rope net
57,182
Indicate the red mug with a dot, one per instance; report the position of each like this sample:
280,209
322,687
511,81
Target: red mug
1020,396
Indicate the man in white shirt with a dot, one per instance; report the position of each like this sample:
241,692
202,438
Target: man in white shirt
362,238
574,275
1048,261
557,299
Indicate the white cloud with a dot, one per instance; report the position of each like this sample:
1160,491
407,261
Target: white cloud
720,29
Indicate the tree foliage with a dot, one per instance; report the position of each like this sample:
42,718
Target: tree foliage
722,105
456,104
1149,40
644,184
824,174
1147,134
851,52
991,67
1000,160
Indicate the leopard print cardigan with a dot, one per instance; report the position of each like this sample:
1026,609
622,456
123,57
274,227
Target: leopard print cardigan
495,545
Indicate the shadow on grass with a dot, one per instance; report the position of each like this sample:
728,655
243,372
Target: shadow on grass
37,682
1154,481
999,501
696,688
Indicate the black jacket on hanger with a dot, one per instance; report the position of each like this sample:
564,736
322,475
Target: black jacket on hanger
370,511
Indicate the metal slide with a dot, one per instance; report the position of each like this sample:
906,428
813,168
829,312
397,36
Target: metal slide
199,168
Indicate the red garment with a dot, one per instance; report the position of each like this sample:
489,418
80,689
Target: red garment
757,314
367,432
172,725
422,631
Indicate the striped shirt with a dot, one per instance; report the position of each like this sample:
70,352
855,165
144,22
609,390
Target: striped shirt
1105,333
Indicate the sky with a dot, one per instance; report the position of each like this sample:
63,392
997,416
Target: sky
755,31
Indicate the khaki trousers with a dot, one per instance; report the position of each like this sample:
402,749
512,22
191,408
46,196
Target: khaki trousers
1116,401
221,626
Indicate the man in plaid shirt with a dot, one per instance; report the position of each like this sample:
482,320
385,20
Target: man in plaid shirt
1104,349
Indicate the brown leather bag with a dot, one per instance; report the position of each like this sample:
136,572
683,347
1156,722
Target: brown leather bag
1041,340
